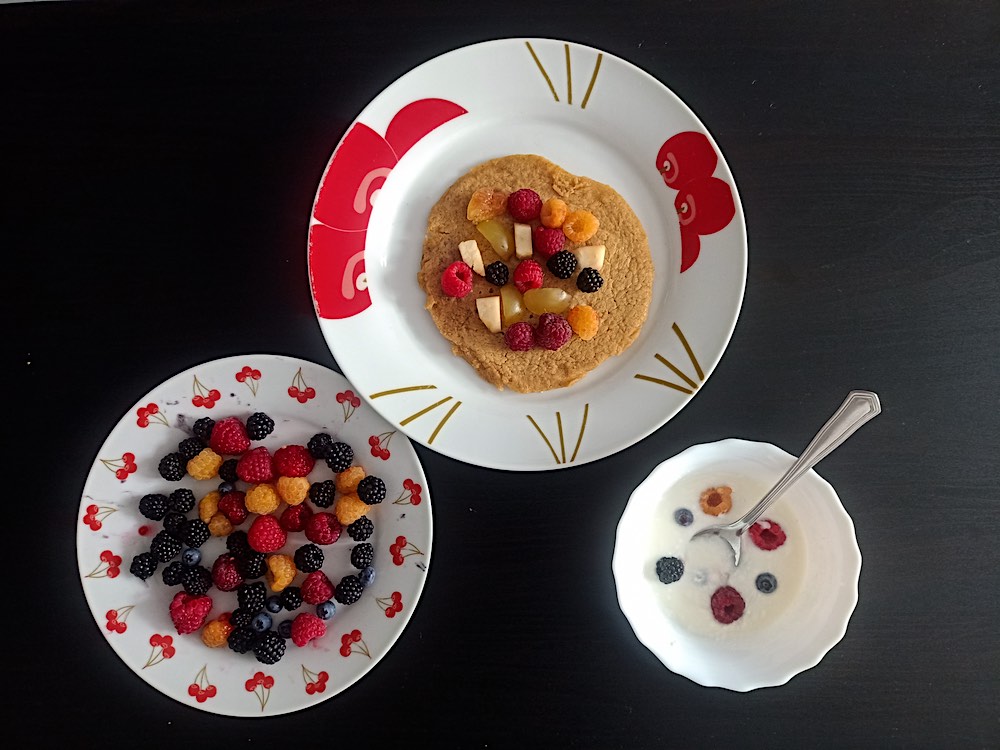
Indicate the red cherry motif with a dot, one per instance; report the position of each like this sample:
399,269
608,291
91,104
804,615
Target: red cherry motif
122,467
108,567
259,680
349,402
249,376
401,549
380,444
347,192
315,681
299,389
704,204
201,694
163,648
391,605
145,413
95,515
204,396
116,619
410,494
347,641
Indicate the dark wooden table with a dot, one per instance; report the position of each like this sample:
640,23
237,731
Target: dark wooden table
159,156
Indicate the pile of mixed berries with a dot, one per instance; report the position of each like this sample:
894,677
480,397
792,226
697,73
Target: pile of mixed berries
271,494
537,243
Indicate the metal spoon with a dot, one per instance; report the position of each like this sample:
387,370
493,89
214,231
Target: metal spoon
858,408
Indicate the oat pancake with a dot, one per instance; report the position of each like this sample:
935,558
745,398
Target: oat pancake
622,303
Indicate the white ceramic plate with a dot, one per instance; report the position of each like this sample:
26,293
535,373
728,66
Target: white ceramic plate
781,633
303,398
594,115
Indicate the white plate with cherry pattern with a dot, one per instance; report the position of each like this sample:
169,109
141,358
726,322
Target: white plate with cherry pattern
132,614
591,113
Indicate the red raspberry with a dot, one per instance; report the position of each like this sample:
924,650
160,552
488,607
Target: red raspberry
225,573
316,588
294,517
727,605
256,466
520,337
524,205
553,331
322,528
266,535
293,461
456,281
528,275
189,612
767,534
547,242
305,627
229,437
233,505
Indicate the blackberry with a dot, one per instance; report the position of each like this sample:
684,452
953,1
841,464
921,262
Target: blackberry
172,523
340,457
253,565
562,264
165,547
309,558
153,506
259,426
291,598
172,467
269,648
497,273
323,493
240,618
326,610
194,532
669,569
371,490
203,429
251,596
367,576
589,280
766,583
242,639
173,574
361,529
191,556
319,445
143,565
261,622
181,500
197,580
362,555
348,590
190,447
683,516
227,472
238,544
285,629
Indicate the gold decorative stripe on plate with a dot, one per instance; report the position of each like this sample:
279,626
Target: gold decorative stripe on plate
692,385
425,410
569,75
560,456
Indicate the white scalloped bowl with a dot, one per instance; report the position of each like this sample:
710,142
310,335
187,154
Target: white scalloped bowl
782,633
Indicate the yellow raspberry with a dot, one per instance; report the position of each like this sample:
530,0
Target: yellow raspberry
216,633
580,226
205,465
349,508
583,320
716,500
262,499
280,571
209,506
219,525
293,490
347,481
554,212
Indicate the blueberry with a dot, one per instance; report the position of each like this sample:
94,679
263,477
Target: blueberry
191,556
766,583
225,488
683,516
325,610
261,622
367,576
273,604
285,629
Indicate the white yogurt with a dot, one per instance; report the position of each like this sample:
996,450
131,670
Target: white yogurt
708,562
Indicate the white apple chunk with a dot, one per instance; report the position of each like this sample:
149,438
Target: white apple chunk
489,312
472,256
590,256
522,240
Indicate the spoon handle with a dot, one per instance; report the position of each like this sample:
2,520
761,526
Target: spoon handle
858,408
